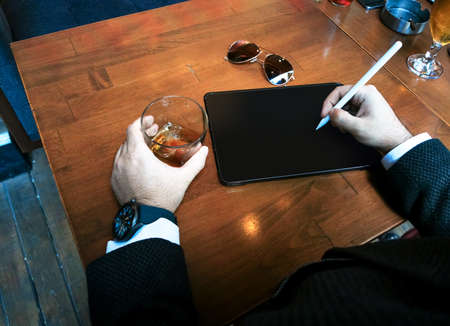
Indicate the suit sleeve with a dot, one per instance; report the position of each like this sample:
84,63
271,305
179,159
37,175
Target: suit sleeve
143,283
420,184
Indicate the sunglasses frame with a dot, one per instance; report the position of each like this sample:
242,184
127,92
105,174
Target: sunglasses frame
262,62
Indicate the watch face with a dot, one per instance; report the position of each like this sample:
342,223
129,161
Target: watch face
124,221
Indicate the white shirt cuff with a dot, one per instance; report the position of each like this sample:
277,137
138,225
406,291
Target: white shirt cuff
162,228
395,154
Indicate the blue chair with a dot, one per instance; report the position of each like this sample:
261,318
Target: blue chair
21,19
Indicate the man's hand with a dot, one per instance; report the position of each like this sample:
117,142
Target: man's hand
374,125
138,174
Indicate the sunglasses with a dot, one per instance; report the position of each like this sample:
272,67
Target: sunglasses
277,69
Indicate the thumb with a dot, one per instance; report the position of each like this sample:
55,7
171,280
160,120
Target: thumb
344,120
196,163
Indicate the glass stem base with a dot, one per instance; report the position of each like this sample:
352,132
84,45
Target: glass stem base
426,65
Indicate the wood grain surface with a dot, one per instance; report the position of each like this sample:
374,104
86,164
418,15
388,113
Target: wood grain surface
42,279
86,85
61,235
16,293
49,284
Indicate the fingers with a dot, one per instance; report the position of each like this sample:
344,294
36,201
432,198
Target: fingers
135,136
196,163
118,153
345,121
151,131
147,122
333,98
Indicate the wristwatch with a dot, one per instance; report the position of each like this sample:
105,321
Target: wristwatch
132,216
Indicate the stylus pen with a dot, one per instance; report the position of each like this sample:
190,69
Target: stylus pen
364,79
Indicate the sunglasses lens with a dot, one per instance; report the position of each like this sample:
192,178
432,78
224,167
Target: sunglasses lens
241,51
278,70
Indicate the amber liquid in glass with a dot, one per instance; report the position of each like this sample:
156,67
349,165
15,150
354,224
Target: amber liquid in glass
174,135
440,22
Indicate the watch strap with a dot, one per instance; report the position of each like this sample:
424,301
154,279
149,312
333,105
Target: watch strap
150,214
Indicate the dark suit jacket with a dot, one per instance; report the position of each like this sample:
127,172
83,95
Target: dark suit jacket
401,282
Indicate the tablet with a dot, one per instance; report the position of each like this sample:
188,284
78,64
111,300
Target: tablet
266,134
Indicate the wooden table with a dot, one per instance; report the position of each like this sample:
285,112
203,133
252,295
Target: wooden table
87,84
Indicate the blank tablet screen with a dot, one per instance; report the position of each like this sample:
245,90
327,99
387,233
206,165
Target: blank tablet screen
269,133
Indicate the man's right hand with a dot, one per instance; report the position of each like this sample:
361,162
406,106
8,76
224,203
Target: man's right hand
374,125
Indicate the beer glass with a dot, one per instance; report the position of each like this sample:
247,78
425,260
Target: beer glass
178,129
426,65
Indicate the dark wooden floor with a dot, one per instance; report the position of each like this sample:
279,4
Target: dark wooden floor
42,280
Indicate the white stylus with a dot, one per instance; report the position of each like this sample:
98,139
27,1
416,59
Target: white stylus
364,79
